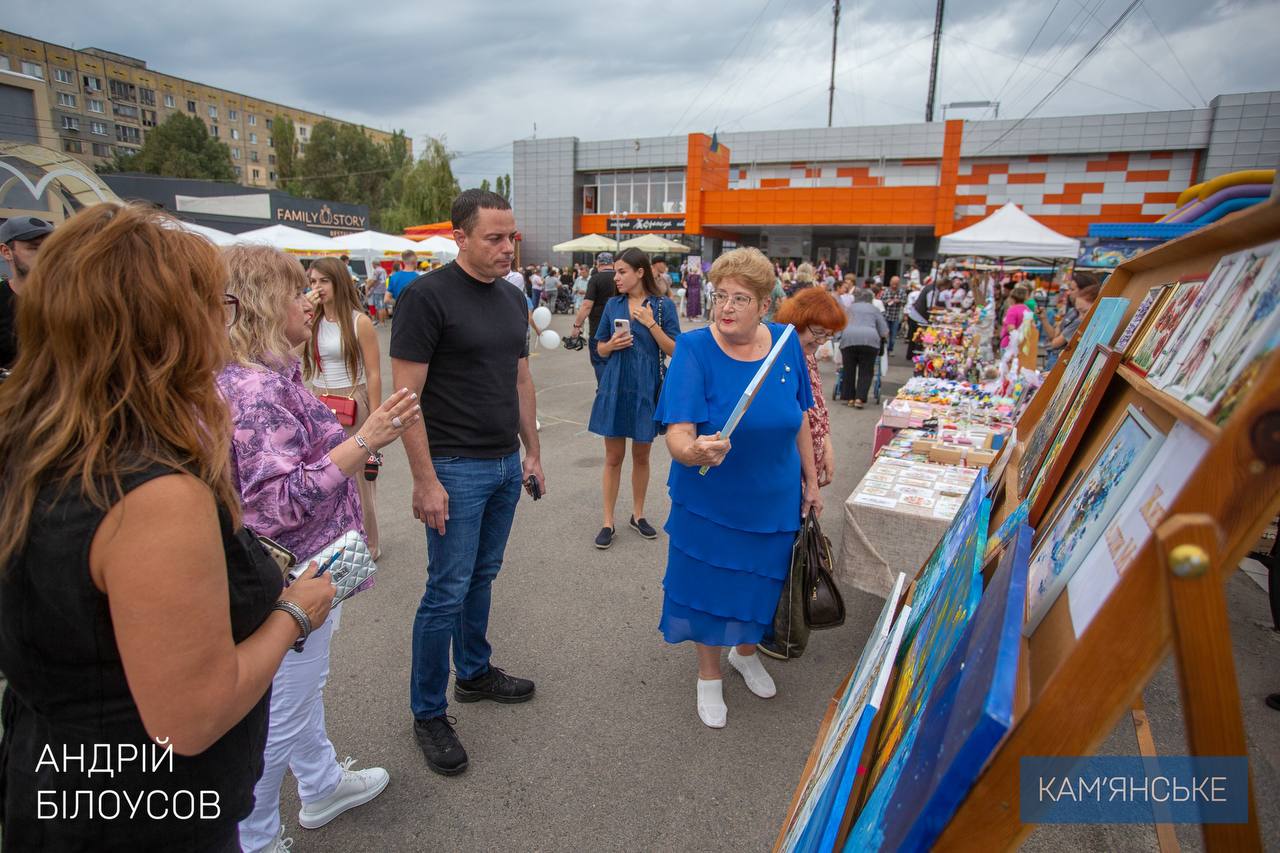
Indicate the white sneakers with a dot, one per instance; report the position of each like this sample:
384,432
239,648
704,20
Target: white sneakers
711,708
356,788
753,672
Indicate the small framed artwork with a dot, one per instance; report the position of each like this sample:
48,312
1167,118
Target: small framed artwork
1086,510
1140,316
1173,310
1074,422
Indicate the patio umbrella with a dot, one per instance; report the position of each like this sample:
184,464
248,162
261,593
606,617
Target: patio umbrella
374,244
655,245
589,243
437,247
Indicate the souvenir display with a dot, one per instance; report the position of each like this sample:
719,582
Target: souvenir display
1172,310
1139,316
1086,510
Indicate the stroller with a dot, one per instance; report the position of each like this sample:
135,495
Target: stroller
564,300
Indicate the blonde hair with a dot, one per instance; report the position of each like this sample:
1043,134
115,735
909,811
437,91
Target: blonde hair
121,345
749,267
265,280
805,273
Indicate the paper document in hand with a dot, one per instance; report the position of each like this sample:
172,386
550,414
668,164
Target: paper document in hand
744,402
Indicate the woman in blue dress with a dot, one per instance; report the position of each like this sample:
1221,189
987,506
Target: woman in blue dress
731,531
634,360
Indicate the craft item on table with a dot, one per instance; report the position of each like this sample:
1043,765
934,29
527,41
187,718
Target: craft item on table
947,506
1235,340
847,732
749,393
1103,321
878,491
1085,401
914,491
1168,315
968,714
1086,510
1143,510
875,500
879,477
917,501
917,481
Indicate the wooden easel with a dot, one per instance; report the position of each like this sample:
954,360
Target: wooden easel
1073,690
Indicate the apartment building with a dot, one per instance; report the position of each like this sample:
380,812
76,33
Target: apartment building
101,102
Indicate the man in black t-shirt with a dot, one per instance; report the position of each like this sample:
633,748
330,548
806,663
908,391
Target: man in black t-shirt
20,239
458,338
600,289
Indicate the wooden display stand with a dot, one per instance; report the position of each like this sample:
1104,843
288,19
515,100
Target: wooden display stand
1075,689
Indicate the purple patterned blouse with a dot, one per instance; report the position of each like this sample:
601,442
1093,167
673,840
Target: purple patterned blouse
281,440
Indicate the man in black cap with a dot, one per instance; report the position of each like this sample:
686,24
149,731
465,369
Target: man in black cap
600,289
20,239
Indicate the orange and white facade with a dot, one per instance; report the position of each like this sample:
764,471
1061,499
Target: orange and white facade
867,194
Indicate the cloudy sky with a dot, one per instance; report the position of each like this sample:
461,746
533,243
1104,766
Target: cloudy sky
485,73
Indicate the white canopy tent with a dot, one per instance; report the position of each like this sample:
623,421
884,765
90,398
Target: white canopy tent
374,244
1009,233
436,248
292,240
589,243
655,245
213,235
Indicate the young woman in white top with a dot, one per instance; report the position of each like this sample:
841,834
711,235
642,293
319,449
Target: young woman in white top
343,360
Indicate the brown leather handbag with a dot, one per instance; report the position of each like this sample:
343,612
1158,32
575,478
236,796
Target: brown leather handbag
823,606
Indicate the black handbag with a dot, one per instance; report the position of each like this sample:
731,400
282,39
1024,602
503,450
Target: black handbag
823,606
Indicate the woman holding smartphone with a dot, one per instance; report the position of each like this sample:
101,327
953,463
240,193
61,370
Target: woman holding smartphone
637,331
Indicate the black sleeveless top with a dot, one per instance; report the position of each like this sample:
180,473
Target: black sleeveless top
67,698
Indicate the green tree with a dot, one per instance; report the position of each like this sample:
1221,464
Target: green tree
342,163
179,147
504,187
424,192
285,143
484,185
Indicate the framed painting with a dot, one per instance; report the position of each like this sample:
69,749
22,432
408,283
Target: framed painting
969,713
1103,322
1196,316
1085,402
1139,317
1164,323
1086,510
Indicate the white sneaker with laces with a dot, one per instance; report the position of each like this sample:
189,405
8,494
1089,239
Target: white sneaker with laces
279,844
753,672
711,707
356,788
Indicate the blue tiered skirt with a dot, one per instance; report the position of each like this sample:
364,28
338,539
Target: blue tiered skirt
722,584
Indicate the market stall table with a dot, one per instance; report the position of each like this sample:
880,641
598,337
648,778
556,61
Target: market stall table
895,518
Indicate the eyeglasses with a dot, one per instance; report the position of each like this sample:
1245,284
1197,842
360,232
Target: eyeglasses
230,308
820,335
737,300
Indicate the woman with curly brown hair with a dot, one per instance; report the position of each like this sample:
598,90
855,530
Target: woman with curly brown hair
135,610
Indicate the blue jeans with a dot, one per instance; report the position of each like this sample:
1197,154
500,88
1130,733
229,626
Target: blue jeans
461,566
893,331
597,361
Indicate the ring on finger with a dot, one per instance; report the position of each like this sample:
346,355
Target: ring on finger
397,423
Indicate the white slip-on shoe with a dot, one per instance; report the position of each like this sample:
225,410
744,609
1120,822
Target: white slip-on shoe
753,672
356,788
711,707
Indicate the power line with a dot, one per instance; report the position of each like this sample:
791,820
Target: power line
1063,41
720,67
1097,45
1150,67
1030,45
1203,100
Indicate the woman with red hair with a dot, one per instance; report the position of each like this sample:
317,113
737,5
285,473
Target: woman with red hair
817,317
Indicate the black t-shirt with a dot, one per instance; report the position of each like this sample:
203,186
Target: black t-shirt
600,289
472,334
8,327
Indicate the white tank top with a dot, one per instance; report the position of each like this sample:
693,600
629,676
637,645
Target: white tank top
333,367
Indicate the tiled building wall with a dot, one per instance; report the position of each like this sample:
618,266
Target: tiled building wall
1132,186
542,185
867,173
1245,134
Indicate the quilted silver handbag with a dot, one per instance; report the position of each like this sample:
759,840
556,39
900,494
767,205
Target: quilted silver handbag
351,572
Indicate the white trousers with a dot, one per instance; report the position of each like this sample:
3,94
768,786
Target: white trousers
296,738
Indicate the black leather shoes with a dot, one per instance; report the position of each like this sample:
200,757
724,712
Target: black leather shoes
496,686
643,527
440,745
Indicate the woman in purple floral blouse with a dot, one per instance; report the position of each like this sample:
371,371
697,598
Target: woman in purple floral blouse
294,467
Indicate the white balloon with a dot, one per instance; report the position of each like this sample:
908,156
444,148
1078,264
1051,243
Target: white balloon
550,339
680,293
542,316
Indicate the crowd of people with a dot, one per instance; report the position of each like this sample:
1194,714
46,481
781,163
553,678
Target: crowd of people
185,427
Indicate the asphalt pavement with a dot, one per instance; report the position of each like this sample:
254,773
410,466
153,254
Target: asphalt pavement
610,754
